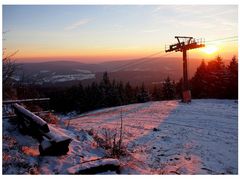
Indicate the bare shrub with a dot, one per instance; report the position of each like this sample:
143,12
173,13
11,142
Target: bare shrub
110,140
9,68
34,170
49,118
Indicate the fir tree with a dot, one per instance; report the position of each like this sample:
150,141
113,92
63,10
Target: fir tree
129,94
232,85
168,89
199,82
121,93
217,80
143,95
179,88
156,95
105,87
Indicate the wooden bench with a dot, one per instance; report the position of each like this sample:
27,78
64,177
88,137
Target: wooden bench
52,141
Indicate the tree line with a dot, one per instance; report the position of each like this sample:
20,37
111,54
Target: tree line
106,94
211,80
216,80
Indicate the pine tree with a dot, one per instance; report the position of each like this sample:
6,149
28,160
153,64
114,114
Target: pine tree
136,92
143,95
168,90
199,82
179,88
217,80
129,94
156,94
94,96
121,93
76,93
106,80
232,85
114,96
105,87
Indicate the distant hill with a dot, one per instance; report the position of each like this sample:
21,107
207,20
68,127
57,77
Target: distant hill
150,70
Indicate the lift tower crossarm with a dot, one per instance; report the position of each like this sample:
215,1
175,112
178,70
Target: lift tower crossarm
184,44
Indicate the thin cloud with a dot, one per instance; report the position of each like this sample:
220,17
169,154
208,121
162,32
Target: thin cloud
78,24
151,30
159,8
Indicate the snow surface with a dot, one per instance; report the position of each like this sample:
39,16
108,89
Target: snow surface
21,154
69,77
165,137
83,71
170,137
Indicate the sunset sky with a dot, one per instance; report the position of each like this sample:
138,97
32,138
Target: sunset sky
115,32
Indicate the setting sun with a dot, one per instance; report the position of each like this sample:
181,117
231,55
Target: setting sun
210,49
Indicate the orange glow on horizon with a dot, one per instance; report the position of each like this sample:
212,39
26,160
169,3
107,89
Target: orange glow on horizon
87,54
118,53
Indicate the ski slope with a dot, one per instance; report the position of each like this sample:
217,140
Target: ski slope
165,137
170,137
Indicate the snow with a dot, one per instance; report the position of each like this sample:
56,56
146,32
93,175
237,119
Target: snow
83,71
54,78
21,154
69,77
16,78
166,137
44,71
19,151
196,138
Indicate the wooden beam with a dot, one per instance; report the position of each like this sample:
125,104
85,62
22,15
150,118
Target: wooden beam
25,100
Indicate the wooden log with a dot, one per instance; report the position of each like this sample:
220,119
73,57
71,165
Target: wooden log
95,166
30,118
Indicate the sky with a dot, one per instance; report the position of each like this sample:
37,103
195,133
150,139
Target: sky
94,33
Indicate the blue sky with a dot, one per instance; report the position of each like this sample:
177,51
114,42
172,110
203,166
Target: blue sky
111,32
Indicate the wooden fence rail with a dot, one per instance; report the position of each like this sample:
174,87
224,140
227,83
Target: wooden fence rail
25,100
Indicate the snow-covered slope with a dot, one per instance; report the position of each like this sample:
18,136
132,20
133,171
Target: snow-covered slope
165,137
21,154
169,137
